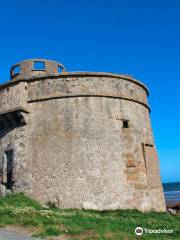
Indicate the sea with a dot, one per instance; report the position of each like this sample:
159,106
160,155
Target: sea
172,194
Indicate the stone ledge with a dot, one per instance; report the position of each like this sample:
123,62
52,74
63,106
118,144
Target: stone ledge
71,95
17,109
12,118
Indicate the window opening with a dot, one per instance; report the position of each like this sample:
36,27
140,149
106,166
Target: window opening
16,69
39,65
125,123
9,156
59,69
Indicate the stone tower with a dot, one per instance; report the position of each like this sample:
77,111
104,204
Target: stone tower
78,139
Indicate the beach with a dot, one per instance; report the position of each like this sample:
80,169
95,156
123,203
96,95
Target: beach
172,194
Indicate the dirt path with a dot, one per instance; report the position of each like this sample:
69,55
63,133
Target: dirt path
12,235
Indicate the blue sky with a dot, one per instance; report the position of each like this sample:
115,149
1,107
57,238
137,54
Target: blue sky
136,37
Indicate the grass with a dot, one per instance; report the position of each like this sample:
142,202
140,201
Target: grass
19,210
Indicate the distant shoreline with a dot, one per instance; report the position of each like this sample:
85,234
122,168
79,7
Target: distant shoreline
172,194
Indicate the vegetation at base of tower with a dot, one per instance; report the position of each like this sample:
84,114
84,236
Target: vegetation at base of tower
45,222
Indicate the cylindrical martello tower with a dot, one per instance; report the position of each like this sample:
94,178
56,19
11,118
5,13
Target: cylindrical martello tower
78,139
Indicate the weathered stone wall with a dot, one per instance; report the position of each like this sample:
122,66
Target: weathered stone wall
87,86
13,95
74,150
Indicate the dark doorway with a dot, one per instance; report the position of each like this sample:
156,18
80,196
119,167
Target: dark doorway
9,155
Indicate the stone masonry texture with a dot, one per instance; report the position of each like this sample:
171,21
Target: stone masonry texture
80,139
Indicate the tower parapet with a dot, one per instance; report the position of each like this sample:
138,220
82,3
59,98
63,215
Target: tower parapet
35,68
